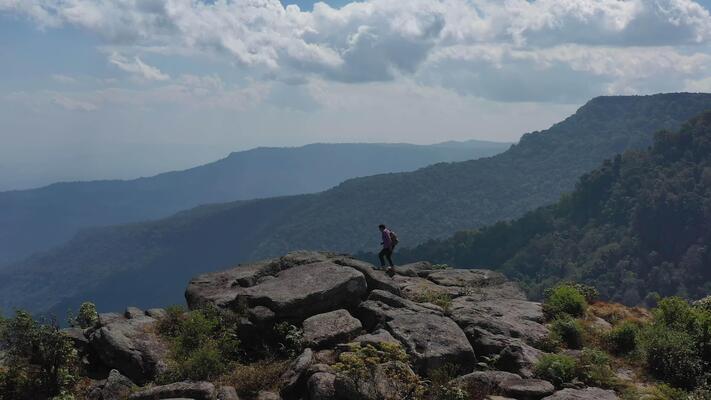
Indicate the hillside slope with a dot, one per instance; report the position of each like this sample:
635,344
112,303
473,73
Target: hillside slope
146,260
38,219
639,224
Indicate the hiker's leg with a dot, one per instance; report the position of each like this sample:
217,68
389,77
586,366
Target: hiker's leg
390,255
381,256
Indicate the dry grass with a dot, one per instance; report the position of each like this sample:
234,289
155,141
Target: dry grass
615,313
250,379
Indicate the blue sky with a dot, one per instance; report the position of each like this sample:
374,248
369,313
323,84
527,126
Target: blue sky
102,89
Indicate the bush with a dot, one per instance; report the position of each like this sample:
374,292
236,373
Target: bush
41,361
671,355
568,331
204,344
622,339
589,292
251,379
290,339
438,298
556,368
594,369
564,299
86,317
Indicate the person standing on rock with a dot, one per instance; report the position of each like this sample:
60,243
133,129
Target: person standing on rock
389,242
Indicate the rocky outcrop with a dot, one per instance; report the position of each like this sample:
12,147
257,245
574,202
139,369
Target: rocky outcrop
130,345
583,394
115,387
179,390
439,317
324,330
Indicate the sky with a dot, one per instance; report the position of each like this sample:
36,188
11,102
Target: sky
95,89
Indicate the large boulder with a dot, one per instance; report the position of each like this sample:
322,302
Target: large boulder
328,329
482,381
431,338
115,387
300,285
130,346
293,380
179,390
508,317
526,389
321,386
466,277
583,394
388,381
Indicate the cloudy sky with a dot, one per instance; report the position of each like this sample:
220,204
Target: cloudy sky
123,88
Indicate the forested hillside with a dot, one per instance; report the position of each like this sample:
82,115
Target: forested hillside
38,219
150,261
639,224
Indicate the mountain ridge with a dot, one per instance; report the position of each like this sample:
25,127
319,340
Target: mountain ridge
146,260
37,219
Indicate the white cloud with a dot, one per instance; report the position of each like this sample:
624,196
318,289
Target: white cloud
506,50
63,79
72,104
137,67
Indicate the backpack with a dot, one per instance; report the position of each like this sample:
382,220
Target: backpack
393,239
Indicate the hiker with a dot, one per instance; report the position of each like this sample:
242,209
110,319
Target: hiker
389,242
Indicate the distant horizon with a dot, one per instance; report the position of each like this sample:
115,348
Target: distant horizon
230,153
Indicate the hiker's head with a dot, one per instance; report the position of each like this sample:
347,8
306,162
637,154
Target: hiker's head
381,227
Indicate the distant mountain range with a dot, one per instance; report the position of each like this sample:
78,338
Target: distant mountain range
38,219
639,224
150,262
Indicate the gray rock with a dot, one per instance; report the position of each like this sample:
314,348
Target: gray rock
379,336
133,312
227,393
519,357
506,290
328,329
106,318
429,337
79,339
293,381
466,277
268,396
526,389
583,394
378,385
420,268
509,317
190,390
116,387
157,313
483,381
131,346
304,284
321,386
432,340
320,367
375,278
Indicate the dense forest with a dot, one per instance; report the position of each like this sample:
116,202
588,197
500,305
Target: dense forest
38,219
638,226
150,262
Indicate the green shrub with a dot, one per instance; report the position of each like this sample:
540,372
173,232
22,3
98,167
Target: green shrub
40,360
204,344
438,298
589,292
594,369
564,299
622,339
86,317
290,339
173,321
671,355
556,368
568,331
